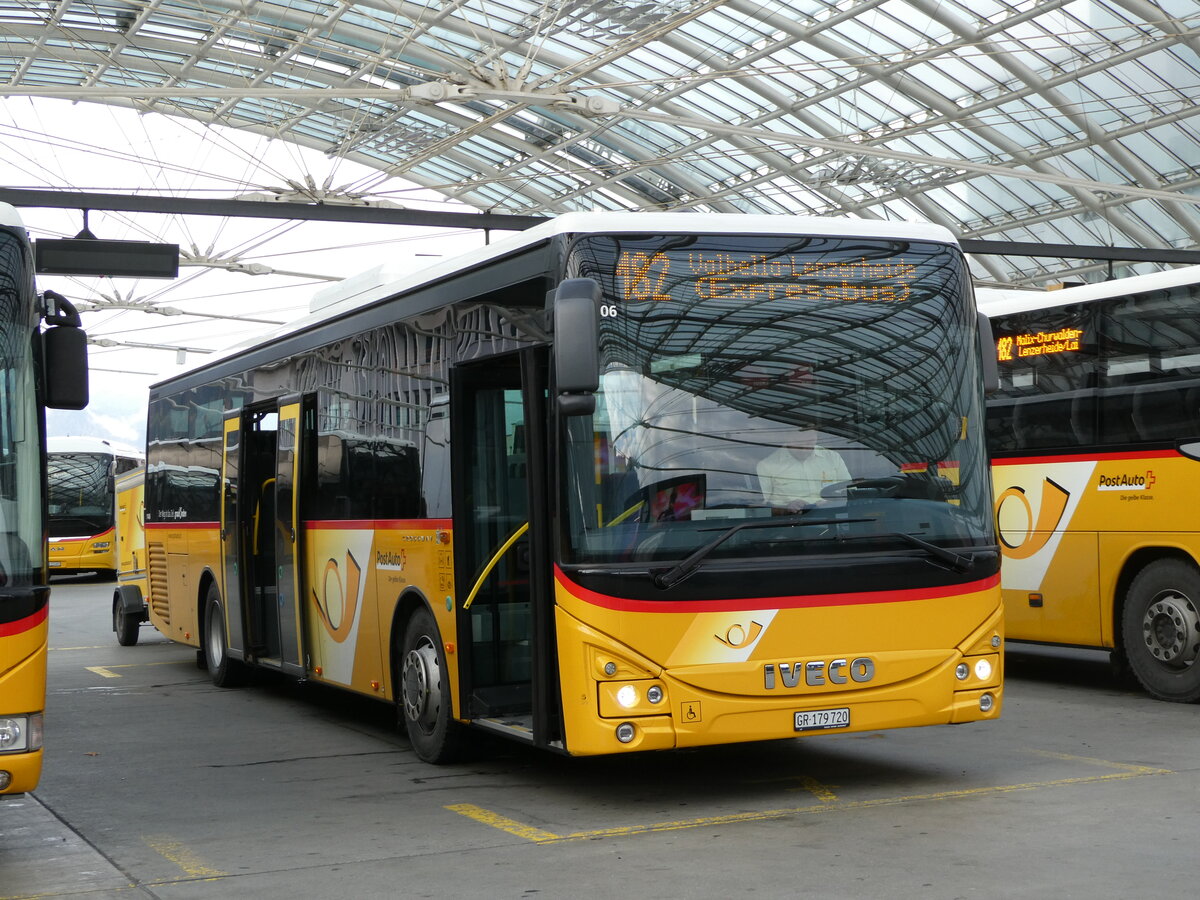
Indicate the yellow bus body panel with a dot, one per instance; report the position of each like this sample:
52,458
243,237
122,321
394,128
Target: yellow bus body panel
179,556
83,554
131,530
1069,527
23,691
710,667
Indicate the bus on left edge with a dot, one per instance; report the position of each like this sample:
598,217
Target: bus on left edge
43,363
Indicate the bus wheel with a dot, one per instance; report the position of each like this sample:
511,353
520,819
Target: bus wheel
223,671
423,697
1161,628
125,625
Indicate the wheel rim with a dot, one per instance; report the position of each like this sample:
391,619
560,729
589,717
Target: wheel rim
216,637
1171,629
422,680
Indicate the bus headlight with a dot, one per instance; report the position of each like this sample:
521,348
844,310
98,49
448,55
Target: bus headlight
627,696
19,734
983,669
961,671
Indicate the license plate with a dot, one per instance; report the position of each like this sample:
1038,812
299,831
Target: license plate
820,719
55,564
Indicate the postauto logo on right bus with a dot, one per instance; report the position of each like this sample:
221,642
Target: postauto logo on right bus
1031,513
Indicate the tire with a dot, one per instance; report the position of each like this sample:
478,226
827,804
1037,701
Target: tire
423,700
1160,626
125,625
224,671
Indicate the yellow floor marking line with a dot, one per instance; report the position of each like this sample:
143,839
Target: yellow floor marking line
107,671
95,647
538,836
821,791
483,816
182,856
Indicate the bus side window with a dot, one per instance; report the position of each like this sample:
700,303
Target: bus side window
1166,411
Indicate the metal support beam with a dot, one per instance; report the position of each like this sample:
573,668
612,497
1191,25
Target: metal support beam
264,209
259,209
1073,251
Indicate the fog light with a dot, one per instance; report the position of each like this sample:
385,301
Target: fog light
5,779
983,669
961,671
628,696
654,694
986,702
625,732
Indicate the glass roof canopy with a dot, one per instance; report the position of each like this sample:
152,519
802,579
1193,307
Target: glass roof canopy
1035,121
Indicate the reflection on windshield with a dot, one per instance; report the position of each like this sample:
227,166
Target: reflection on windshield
80,493
716,408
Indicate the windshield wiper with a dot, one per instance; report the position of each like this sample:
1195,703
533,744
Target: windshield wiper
955,561
689,564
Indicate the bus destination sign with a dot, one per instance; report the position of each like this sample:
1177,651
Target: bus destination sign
755,277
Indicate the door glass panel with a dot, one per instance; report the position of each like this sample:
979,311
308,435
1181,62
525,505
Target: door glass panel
498,509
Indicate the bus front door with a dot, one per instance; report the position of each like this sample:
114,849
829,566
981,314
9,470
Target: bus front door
501,546
260,532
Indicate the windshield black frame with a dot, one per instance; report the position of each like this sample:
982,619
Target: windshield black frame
719,351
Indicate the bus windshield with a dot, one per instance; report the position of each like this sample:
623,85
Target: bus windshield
823,385
20,450
80,493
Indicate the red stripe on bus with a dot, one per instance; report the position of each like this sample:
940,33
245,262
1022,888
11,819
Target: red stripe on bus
379,524
8,629
1084,456
739,604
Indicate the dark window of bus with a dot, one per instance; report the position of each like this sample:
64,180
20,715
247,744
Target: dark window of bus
1047,395
1150,380
184,442
346,477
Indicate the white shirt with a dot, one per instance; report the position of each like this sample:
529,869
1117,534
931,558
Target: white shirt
784,478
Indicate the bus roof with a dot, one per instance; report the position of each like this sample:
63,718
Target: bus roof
383,282
90,445
1001,302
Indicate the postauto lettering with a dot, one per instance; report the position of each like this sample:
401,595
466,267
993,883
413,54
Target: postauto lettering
818,672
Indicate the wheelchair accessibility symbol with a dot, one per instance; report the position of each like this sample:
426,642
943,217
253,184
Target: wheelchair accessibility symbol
689,712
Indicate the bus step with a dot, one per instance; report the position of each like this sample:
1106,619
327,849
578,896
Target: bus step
520,727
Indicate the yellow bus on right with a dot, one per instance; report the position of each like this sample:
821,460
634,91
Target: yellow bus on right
1095,442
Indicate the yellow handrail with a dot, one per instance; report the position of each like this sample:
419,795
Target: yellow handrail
487,570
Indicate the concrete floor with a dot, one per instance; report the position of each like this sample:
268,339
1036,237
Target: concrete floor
157,784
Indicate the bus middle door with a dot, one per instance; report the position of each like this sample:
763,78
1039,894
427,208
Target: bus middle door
265,577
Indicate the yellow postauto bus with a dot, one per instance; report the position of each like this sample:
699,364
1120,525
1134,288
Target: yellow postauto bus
43,363
1095,436
80,475
524,491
